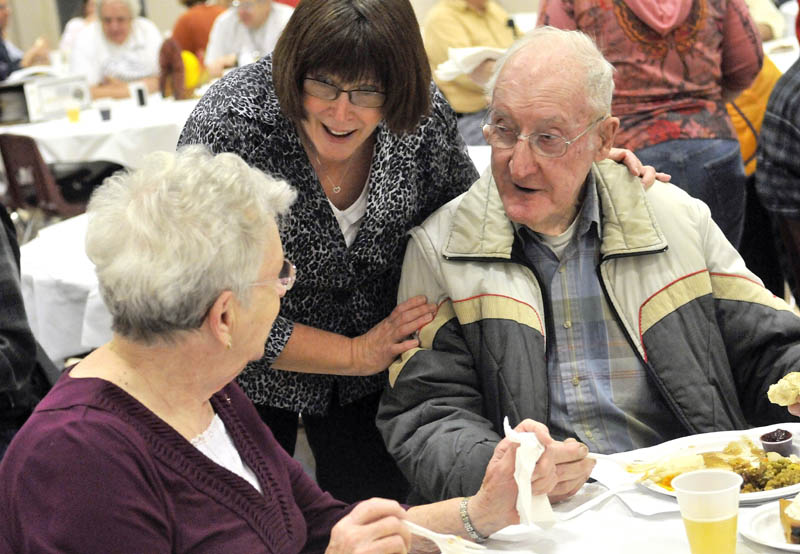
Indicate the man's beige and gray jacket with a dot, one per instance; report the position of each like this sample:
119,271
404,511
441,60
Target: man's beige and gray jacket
710,335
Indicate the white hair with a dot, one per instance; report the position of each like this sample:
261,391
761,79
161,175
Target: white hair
168,238
577,51
135,6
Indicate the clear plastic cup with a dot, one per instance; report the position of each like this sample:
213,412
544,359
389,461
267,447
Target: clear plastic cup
709,504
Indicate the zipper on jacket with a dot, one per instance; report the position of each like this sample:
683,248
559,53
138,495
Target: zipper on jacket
520,260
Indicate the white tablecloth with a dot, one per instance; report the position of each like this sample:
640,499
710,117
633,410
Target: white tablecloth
131,133
59,289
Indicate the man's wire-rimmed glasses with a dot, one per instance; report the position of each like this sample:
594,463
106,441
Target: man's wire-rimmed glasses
500,135
357,97
286,277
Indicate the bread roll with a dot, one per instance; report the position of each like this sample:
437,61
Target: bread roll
785,391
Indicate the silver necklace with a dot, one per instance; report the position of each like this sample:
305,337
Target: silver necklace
335,188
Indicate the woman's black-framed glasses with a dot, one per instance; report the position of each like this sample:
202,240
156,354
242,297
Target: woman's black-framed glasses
357,97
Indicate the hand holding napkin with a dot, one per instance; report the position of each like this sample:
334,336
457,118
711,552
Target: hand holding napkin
532,509
463,61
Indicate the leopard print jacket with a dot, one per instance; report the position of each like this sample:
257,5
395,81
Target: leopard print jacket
339,289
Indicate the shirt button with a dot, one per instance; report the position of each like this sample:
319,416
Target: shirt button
562,269
567,324
589,435
576,381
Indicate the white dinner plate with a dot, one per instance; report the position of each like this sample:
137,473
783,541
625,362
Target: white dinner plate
710,442
764,527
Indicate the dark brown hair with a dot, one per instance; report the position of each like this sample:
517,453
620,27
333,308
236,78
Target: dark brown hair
356,40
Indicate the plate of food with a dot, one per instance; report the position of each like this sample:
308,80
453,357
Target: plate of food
771,526
766,475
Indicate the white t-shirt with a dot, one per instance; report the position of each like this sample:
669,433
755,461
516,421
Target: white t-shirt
230,36
217,444
136,58
350,218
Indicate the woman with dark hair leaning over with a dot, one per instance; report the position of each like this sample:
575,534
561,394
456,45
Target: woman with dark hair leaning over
344,110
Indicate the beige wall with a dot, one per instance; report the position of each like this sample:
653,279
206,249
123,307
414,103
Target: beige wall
31,19
35,18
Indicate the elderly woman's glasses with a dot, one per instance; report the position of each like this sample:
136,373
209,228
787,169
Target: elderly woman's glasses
326,91
500,135
286,278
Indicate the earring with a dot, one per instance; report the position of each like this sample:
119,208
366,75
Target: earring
229,345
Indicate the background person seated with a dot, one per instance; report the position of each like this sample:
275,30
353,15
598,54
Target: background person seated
192,28
245,32
11,57
147,445
462,24
118,49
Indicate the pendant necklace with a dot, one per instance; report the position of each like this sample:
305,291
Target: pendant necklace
335,188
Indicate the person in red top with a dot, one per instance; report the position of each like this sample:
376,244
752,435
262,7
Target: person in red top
193,26
677,63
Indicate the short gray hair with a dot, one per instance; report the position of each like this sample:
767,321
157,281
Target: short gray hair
135,6
168,238
577,48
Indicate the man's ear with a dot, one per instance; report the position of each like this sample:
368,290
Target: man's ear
221,318
606,130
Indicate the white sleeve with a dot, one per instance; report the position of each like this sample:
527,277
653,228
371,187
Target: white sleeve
153,40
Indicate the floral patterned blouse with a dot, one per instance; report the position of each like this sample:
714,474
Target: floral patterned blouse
668,86
339,289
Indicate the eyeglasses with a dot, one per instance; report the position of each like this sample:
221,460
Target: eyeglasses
286,277
117,20
326,91
551,146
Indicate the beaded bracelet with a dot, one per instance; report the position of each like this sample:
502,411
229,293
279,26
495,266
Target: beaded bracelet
471,531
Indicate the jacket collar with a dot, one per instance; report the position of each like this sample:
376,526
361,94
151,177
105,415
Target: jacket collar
481,229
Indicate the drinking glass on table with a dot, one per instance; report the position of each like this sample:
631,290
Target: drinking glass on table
709,504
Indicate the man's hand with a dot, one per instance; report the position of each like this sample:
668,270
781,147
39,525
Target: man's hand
794,409
561,470
647,173
375,526
572,466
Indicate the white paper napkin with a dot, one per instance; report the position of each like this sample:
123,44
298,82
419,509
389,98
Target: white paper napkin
532,509
463,61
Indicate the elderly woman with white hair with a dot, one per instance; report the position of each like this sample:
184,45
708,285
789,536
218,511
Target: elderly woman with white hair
118,48
148,445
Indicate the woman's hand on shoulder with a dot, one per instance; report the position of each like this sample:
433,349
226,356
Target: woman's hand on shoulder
647,173
373,351
375,526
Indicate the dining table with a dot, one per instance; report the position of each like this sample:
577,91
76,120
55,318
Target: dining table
130,132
